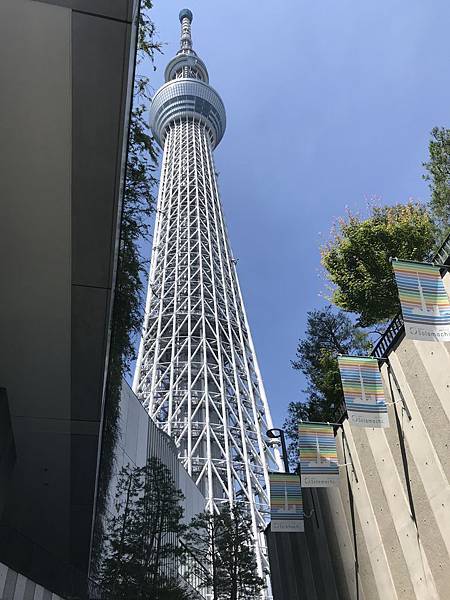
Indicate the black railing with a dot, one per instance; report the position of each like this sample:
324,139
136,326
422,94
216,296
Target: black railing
392,334
442,256
340,413
395,330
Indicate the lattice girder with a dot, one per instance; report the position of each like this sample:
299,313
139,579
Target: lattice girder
197,372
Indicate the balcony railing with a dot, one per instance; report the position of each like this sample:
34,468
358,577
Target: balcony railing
442,256
393,332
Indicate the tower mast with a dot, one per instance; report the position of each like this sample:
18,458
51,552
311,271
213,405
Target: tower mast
197,372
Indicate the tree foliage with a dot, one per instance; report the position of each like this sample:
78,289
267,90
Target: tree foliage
438,175
222,540
328,334
357,258
202,538
141,546
138,203
237,555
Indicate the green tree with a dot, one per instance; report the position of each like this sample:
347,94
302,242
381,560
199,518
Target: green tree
141,546
328,334
237,556
137,206
221,540
438,175
202,538
357,258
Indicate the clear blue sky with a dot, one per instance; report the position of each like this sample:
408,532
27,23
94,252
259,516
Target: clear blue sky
329,103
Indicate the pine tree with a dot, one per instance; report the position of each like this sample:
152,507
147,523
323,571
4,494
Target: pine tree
237,557
202,539
438,175
142,536
328,334
222,542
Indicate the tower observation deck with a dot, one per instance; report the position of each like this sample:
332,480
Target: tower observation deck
197,372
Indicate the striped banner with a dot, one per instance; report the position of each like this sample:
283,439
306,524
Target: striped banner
425,303
363,391
286,503
318,455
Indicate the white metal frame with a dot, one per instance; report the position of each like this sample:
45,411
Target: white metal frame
197,372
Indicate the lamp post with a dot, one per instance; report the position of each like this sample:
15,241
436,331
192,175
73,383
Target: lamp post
278,434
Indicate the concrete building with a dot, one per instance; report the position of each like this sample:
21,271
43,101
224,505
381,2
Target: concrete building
67,68
7,448
300,563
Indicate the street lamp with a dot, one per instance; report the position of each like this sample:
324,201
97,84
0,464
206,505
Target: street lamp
278,434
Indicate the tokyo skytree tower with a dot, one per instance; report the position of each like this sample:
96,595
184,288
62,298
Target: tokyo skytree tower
197,372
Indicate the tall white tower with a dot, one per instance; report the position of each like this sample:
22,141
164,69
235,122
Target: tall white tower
197,372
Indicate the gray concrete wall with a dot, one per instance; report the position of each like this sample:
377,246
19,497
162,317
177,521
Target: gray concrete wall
388,523
139,438
300,563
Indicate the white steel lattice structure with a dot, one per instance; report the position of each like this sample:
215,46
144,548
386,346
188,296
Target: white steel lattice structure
197,372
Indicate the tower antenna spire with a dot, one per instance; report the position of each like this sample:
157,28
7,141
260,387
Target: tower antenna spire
186,37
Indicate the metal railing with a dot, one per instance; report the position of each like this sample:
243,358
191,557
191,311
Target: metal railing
395,329
442,256
393,333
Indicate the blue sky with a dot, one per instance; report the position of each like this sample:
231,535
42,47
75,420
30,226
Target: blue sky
329,104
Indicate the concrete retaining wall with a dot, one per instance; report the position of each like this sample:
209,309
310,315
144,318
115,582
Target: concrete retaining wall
388,523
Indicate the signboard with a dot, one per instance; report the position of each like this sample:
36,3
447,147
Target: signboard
424,301
286,503
363,391
318,455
